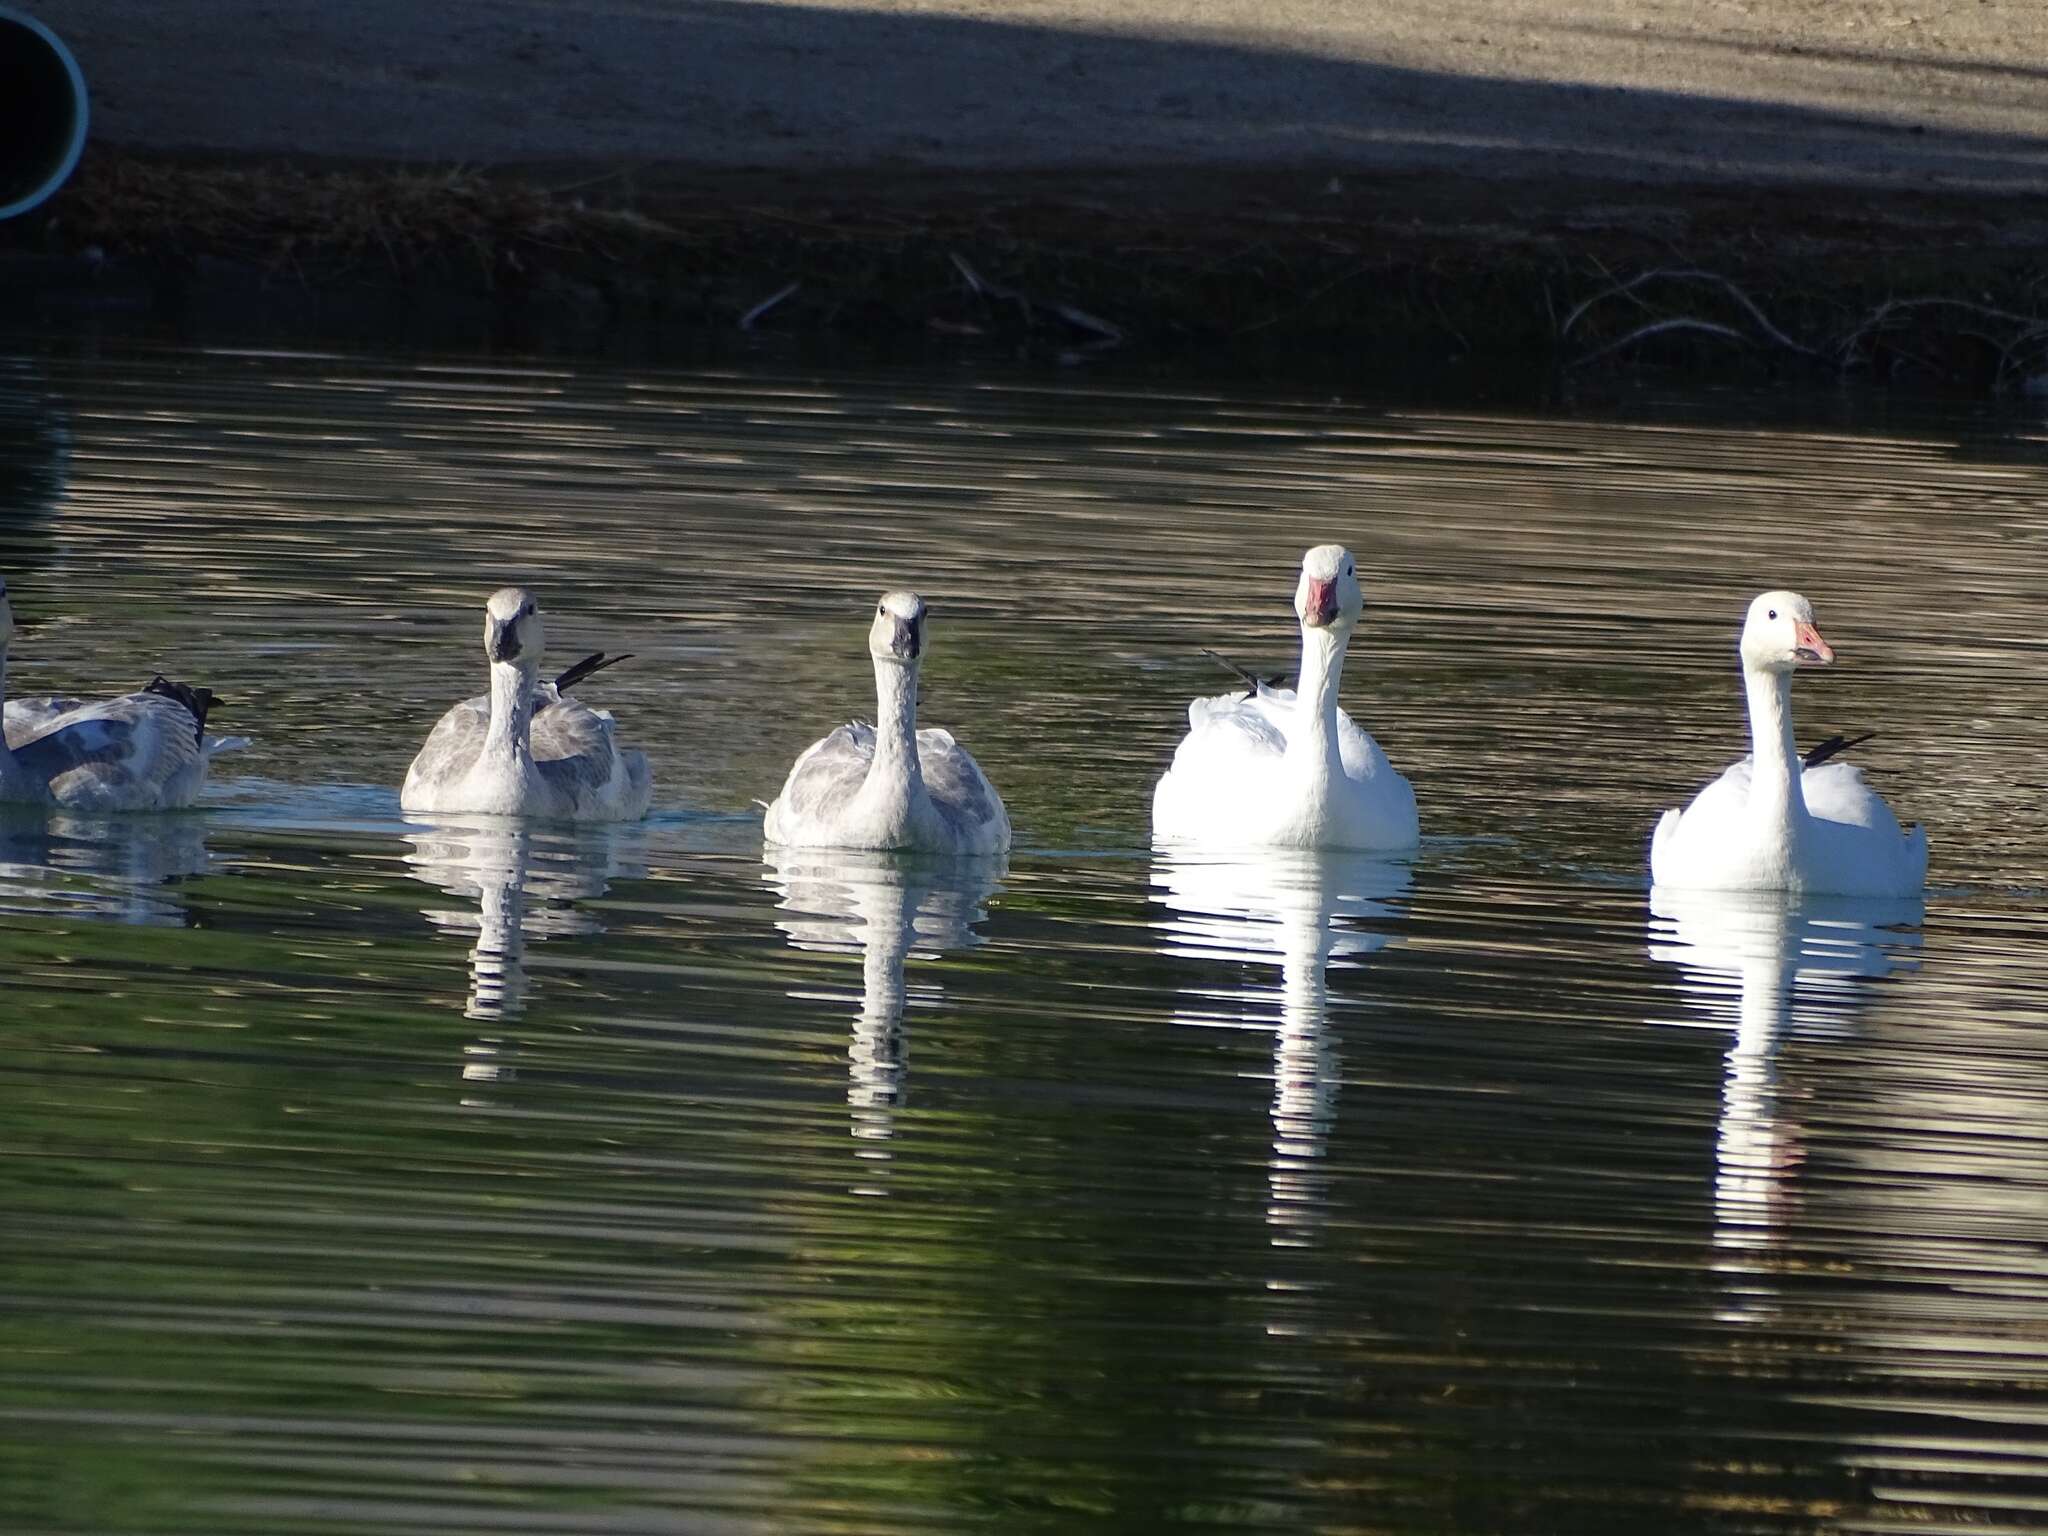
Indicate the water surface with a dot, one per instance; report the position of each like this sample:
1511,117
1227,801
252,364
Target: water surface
366,1176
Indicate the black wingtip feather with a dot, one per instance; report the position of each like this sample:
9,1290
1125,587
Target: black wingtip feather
197,701
596,661
1251,680
1834,746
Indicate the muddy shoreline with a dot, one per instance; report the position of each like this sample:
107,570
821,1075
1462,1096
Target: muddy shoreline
1300,260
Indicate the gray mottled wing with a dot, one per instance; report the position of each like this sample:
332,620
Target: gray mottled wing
831,771
956,783
451,746
24,718
567,728
639,777
136,752
574,748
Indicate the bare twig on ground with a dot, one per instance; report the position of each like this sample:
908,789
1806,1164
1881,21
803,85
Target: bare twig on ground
1659,328
1688,275
1884,312
1081,320
1106,334
2011,337
747,320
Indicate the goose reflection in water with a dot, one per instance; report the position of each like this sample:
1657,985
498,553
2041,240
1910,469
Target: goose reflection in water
1300,911
1773,966
886,907
525,881
122,869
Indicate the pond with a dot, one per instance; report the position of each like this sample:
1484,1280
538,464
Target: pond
367,1175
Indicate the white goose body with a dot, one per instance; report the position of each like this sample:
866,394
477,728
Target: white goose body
141,751
1772,823
525,748
890,787
1287,768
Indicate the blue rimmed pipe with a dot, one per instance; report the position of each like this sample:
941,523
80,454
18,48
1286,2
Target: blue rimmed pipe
42,112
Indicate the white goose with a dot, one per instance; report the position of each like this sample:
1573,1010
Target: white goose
142,751
524,749
1280,768
1774,822
890,787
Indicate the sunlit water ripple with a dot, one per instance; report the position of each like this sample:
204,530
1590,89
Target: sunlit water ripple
368,1176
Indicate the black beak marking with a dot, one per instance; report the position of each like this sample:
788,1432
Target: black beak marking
906,640
505,640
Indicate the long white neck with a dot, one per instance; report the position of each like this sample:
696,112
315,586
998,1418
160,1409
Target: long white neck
895,766
509,739
1315,698
1776,801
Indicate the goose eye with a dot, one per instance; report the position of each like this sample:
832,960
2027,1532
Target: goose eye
1772,614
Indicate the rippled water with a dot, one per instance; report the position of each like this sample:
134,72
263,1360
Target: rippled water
361,1176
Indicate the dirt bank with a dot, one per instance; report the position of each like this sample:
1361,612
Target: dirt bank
1446,179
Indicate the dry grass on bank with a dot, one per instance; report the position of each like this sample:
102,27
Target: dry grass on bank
390,220
1573,275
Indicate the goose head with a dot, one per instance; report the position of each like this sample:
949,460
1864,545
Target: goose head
512,631
897,634
1328,595
1780,635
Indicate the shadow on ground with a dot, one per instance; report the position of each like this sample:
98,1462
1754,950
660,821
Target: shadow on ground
729,83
